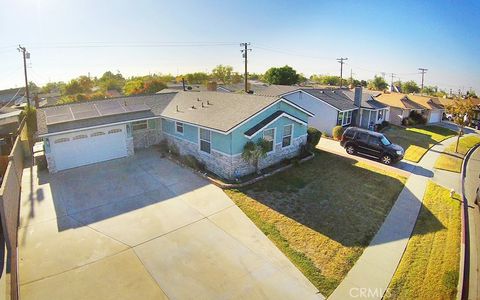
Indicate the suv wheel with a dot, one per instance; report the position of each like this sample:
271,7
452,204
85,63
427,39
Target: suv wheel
386,159
350,149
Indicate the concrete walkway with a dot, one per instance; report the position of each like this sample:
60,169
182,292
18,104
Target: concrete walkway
371,275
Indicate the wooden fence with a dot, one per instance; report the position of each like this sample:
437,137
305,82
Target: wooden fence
10,209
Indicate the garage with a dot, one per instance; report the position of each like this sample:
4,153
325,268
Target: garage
435,116
88,146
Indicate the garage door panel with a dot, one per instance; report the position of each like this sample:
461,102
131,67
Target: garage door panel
88,147
435,117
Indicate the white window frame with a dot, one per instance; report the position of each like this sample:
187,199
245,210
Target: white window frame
346,115
181,124
273,141
291,135
200,141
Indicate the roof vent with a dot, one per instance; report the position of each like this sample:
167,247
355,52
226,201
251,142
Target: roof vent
193,107
203,105
177,109
208,103
198,99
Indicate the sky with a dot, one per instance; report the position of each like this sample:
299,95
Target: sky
68,38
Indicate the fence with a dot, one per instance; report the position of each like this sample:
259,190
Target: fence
10,209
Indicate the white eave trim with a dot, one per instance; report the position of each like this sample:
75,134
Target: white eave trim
96,126
269,123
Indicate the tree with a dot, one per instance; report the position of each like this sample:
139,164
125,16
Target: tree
430,90
377,83
284,75
72,87
410,87
52,87
195,78
223,74
253,152
110,81
471,94
86,83
326,79
462,112
153,86
143,85
133,86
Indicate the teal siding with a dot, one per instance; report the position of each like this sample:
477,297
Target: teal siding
190,133
233,143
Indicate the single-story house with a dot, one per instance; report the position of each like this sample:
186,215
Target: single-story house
212,126
333,107
435,108
400,106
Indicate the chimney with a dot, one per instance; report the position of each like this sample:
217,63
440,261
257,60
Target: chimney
357,98
211,86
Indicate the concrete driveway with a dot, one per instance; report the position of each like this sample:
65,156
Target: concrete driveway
144,228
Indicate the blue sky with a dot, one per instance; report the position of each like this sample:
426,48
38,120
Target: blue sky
64,38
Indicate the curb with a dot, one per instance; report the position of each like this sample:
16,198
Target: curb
464,270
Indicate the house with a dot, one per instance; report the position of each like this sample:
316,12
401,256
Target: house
9,123
12,96
402,104
211,126
333,107
371,111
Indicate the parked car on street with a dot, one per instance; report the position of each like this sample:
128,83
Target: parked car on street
372,144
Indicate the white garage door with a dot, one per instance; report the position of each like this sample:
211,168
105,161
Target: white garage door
87,147
435,117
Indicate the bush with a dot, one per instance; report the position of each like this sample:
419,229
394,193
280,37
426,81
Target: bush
192,162
163,146
385,124
313,137
413,119
173,150
337,132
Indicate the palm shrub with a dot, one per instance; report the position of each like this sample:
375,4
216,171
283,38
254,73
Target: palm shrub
337,132
253,152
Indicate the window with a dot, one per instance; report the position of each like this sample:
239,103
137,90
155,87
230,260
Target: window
385,141
362,137
344,118
374,141
205,140
380,115
98,133
80,136
269,136
139,125
179,127
287,135
61,140
116,130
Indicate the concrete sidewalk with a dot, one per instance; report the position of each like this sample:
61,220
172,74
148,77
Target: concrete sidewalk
372,273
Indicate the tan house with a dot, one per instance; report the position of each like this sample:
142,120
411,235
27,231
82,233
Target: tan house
402,104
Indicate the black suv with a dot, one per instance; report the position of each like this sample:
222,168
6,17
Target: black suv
373,144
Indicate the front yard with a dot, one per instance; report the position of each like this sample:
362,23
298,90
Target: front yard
322,214
430,265
452,161
417,140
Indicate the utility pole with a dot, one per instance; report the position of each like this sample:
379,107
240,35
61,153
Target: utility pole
391,84
25,56
423,70
341,61
245,56
351,76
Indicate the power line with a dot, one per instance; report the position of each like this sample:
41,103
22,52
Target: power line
127,45
423,70
11,99
341,61
245,56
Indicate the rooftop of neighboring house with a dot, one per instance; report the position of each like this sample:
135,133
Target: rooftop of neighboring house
368,101
276,90
214,110
399,100
239,87
13,95
336,98
427,101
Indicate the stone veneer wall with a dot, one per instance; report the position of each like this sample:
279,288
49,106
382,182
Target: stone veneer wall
50,163
231,167
147,137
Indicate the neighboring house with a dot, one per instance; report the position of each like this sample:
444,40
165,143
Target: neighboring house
400,106
371,111
211,126
434,108
333,107
12,96
9,123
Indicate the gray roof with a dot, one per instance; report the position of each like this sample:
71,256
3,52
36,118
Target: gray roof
278,90
221,111
156,103
335,98
368,101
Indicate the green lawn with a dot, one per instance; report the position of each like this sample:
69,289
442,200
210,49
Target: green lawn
430,265
451,160
322,214
417,140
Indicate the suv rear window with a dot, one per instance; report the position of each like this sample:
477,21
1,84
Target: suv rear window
362,136
349,133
